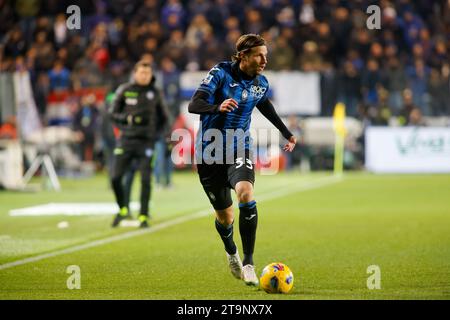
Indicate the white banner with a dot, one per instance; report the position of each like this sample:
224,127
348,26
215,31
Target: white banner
293,92
408,150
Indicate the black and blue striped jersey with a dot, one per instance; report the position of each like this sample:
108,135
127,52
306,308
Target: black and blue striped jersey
225,81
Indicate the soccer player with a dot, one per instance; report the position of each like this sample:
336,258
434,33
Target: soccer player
225,100
140,114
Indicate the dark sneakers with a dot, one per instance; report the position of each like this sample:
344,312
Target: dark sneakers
123,214
144,221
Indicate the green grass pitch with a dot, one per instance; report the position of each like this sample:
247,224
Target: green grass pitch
327,231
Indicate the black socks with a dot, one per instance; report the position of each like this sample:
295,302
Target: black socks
226,234
248,221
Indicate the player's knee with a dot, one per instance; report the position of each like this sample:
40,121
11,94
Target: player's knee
244,193
225,217
226,221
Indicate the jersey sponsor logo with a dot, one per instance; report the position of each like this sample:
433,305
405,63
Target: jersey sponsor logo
234,85
150,95
257,91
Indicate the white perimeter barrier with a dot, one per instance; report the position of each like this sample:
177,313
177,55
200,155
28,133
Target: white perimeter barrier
408,150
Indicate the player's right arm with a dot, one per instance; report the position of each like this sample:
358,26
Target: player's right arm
200,102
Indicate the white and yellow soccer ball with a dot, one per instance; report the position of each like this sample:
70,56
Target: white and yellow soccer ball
276,278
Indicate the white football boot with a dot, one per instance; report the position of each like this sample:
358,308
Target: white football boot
249,275
235,264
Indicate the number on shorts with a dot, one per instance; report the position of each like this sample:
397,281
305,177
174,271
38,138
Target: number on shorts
240,163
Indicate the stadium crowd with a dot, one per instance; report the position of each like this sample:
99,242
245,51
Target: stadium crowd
401,70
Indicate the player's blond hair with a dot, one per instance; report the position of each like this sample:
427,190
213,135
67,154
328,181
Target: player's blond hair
245,43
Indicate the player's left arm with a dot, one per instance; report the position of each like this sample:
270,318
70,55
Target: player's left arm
267,109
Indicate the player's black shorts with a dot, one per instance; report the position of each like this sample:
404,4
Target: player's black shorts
218,179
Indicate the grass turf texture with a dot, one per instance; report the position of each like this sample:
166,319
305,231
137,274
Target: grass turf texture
328,236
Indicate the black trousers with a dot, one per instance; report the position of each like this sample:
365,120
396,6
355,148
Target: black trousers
123,157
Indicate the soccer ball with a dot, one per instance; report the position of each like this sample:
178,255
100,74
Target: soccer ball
276,278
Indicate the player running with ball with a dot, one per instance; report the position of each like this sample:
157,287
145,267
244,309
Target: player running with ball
225,101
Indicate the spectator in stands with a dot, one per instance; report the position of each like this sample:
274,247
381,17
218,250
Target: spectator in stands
395,83
197,30
45,53
75,50
371,81
328,88
325,41
6,17
211,47
417,75
282,56
175,47
196,7
349,86
383,110
60,30
253,22
438,88
408,106
439,54
15,44
148,11
416,118
217,14
310,59
173,15
59,77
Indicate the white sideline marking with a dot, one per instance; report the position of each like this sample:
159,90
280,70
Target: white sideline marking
200,214
71,209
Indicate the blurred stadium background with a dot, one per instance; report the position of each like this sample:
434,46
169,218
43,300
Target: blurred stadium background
56,85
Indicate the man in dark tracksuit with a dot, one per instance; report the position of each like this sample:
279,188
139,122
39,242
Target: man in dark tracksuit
139,112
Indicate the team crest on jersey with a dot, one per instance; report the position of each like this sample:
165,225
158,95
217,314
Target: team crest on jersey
244,95
150,95
257,91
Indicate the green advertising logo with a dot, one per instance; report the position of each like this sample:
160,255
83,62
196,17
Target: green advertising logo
425,145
